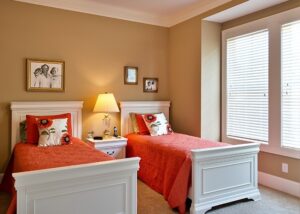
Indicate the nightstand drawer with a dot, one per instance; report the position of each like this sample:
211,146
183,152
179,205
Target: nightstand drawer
115,147
114,152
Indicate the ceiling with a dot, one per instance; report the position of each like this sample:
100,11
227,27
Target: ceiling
157,12
158,7
243,9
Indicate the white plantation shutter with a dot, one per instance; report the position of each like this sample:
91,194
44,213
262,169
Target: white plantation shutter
247,86
290,85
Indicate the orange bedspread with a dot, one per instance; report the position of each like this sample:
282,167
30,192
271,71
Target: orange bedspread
28,157
166,163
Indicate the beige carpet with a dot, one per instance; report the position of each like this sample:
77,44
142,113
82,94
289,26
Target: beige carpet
150,202
272,202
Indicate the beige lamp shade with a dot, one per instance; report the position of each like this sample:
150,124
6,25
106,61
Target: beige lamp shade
106,103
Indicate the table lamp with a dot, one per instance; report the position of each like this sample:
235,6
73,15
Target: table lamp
106,103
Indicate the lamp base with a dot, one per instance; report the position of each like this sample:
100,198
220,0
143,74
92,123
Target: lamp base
106,134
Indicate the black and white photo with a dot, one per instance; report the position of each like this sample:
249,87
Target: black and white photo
43,75
150,84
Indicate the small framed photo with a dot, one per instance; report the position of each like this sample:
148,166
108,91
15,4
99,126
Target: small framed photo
150,85
45,75
130,75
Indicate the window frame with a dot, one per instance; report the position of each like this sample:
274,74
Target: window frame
281,87
237,137
273,24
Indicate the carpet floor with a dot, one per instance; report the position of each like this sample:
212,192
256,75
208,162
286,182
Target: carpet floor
272,202
150,202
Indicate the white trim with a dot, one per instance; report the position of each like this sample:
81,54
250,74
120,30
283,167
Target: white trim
100,9
46,104
136,104
278,183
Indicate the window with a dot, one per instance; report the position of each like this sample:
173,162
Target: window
247,67
290,85
261,83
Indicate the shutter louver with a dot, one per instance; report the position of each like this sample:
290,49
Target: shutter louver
290,85
247,86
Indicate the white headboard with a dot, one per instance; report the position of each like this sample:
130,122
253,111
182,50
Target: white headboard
128,107
21,109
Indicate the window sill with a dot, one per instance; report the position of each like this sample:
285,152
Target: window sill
287,152
265,147
247,140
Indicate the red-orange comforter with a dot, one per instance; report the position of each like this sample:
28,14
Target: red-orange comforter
166,163
28,157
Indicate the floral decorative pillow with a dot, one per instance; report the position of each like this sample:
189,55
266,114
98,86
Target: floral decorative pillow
53,132
157,124
142,128
32,134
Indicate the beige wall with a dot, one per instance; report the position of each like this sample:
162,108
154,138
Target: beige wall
194,77
184,76
271,164
95,50
210,80
185,72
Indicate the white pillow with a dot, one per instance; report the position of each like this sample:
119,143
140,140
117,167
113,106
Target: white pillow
53,132
157,124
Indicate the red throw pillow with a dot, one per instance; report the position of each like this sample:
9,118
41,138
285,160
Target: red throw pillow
143,130
32,129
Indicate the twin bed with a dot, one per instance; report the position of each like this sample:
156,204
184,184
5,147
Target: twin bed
218,175
108,186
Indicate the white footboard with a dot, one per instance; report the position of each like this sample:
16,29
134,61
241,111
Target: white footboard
108,187
223,174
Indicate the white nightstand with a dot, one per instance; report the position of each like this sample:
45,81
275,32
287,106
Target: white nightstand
115,147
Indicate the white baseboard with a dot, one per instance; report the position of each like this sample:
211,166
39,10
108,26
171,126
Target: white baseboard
280,184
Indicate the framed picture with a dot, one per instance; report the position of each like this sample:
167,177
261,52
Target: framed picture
150,85
45,75
130,75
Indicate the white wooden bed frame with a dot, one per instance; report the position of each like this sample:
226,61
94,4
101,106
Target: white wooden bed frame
219,175
108,187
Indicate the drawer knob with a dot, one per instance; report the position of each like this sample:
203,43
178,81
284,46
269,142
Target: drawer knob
110,153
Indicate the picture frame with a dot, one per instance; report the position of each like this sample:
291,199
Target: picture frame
150,85
130,75
45,75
